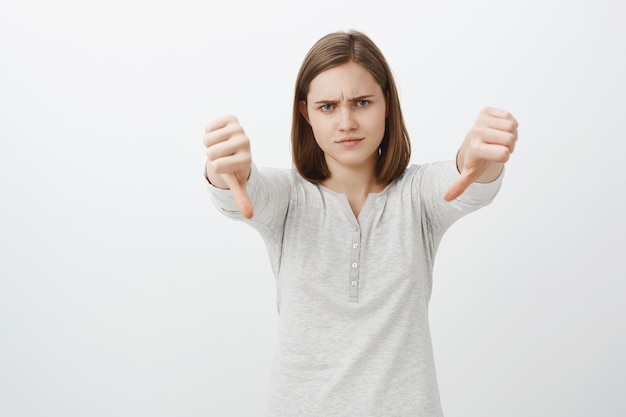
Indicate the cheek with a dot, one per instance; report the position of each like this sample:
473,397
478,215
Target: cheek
317,134
319,127
378,125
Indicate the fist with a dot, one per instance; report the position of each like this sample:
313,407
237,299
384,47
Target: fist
229,159
487,146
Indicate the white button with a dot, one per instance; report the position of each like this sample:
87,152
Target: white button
354,265
355,245
354,283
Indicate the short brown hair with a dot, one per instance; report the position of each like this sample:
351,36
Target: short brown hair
330,51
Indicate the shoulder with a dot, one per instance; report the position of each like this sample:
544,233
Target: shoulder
271,176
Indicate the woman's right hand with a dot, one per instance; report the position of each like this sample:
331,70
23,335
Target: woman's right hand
229,159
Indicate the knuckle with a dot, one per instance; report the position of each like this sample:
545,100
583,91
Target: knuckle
233,122
505,153
503,113
219,166
210,153
508,125
510,138
478,130
235,130
215,166
473,146
241,141
221,123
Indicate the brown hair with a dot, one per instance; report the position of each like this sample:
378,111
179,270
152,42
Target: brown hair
330,51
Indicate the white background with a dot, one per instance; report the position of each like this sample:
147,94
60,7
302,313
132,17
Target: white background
124,293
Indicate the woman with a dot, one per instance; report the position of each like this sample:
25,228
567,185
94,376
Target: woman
352,233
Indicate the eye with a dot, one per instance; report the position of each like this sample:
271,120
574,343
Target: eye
362,103
326,107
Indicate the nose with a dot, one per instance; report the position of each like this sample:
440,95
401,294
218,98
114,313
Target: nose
347,119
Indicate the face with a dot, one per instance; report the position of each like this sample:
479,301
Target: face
346,109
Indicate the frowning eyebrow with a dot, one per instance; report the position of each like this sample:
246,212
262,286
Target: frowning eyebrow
365,97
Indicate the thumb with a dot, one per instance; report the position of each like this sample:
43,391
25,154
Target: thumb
238,188
459,185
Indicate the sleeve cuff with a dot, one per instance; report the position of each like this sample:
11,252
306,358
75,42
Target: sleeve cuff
223,197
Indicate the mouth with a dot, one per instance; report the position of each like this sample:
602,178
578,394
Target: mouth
349,141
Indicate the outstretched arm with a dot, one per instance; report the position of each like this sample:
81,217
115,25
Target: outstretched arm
229,159
484,151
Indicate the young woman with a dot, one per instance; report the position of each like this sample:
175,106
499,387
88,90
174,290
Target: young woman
352,233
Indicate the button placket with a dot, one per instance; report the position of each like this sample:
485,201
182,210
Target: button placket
354,266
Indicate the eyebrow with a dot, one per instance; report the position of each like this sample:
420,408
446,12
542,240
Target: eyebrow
364,97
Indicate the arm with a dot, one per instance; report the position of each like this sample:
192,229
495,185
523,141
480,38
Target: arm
229,160
484,151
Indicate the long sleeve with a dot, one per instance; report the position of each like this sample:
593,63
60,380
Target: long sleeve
269,190
441,214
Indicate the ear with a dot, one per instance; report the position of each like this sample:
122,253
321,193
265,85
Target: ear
303,110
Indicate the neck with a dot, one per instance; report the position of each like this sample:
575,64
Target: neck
353,181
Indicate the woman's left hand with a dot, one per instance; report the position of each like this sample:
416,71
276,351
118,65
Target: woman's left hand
485,149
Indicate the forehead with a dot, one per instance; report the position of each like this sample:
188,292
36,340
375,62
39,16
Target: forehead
345,80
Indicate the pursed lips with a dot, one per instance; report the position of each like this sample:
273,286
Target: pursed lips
348,141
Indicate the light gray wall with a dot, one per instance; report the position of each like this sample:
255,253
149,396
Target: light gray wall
124,293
